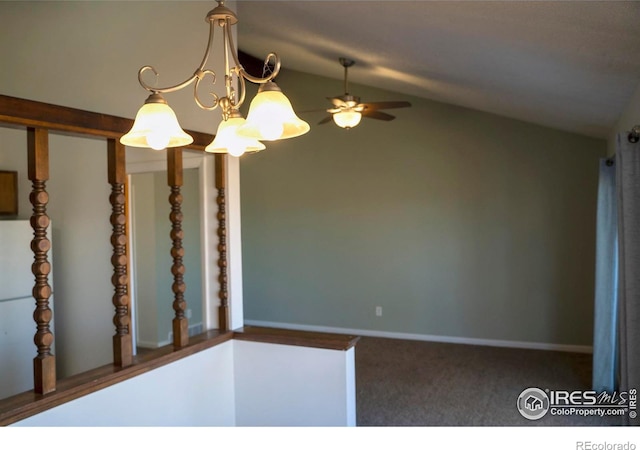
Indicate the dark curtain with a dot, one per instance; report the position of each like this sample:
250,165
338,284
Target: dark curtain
628,188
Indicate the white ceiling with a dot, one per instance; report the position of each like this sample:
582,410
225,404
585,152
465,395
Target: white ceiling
571,65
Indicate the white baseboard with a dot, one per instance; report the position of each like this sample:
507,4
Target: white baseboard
149,344
427,337
194,329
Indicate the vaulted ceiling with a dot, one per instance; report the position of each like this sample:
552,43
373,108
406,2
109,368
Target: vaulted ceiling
571,65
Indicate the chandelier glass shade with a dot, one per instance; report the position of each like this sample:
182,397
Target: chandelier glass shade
156,126
271,116
228,140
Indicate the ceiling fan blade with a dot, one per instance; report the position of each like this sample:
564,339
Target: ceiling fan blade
306,111
325,120
386,105
377,115
337,102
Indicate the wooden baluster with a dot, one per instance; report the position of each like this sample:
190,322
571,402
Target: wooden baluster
174,179
122,343
44,364
223,293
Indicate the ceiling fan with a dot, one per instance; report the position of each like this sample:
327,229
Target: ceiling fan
347,110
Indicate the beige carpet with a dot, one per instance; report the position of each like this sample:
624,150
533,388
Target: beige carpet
415,383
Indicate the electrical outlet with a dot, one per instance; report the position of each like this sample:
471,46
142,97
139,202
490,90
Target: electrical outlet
379,311
188,314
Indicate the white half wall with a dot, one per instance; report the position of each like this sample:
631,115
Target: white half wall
235,383
285,385
194,391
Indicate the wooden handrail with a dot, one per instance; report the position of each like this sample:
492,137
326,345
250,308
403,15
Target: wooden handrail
29,113
329,341
39,119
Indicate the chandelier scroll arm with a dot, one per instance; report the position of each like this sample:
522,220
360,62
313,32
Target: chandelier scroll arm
261,80
216,99
163,90
198,74
241,89
243,73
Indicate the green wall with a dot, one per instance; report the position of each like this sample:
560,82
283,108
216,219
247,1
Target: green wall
457,222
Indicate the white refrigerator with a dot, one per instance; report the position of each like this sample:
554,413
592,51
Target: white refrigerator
17,327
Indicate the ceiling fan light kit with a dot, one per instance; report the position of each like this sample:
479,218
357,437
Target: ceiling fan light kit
347,110
347,118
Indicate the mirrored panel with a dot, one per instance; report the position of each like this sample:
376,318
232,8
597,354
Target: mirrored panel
151,279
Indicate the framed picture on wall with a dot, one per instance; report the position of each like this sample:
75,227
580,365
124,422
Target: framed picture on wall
8,193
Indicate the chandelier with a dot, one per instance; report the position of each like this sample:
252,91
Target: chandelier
271,116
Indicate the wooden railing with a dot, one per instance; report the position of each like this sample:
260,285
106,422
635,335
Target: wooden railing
40,119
